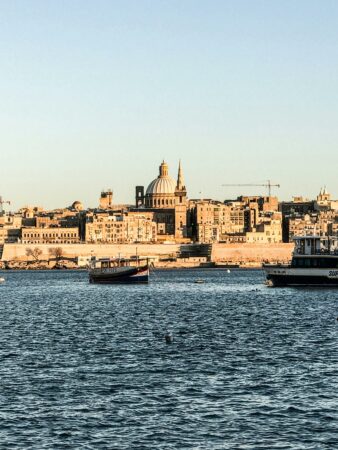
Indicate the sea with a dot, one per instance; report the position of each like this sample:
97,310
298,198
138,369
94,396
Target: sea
223,363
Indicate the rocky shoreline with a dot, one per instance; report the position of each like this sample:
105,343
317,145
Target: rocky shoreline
23,265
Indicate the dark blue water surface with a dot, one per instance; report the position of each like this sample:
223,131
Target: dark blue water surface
87,367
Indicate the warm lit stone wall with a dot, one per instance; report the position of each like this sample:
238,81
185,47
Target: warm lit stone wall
12,251
257,253
231,253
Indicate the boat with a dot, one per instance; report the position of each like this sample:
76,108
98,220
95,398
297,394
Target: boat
227,266
314,263
117,270
2,280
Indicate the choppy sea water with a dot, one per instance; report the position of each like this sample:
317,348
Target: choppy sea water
88,367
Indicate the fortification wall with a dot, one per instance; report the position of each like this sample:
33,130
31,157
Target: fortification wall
229,253
255,253
18,251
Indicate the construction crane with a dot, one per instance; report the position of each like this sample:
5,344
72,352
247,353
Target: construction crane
2,203
268,185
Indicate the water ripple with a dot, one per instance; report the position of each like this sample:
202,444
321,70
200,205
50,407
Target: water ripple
88,367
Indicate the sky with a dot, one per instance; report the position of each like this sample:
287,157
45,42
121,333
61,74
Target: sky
95,94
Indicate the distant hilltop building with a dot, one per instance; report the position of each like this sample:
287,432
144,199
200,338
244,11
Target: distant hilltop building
324,201
303,217
323,195
167,198
77,206
163,191
106,199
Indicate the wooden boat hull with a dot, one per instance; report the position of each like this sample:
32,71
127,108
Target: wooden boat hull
128,275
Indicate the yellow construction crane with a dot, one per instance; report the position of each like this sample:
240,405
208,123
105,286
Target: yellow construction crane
2,203
268,185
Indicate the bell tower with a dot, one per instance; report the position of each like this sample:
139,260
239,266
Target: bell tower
139,196
180,205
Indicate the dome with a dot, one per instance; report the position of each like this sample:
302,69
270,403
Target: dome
164,185
77,206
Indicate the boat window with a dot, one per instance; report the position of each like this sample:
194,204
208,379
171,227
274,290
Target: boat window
323,263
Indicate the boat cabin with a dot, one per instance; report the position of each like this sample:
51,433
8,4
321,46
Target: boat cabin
107,263
316,245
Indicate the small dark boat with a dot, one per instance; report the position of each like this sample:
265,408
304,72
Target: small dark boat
115,271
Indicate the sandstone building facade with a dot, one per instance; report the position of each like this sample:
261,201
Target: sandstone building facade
167,199
50,235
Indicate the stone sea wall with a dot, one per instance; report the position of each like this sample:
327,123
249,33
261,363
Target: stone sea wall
244,254
18,251
251,253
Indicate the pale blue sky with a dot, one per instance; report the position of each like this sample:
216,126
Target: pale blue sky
96,93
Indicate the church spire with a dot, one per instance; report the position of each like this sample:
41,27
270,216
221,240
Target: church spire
180,178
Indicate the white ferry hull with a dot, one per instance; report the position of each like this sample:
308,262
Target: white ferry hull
289,276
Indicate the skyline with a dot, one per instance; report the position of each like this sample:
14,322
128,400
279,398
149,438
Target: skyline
242,92
242,191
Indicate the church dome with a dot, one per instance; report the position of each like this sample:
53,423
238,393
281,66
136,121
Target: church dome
162,185
78,206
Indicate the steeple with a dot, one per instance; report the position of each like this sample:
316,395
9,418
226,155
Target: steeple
180,178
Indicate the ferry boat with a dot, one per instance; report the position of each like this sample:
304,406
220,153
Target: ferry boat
314,263
114,271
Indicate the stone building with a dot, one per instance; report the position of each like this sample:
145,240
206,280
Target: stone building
263,204
123,228
106,199
9,235
322,224
266,232
50,235
214,221
333,227
324,201
303,217
10,228
167,199
298,205
233,221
